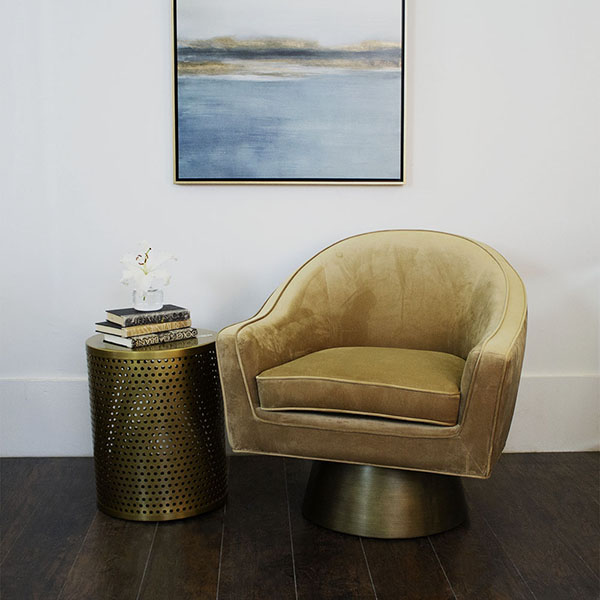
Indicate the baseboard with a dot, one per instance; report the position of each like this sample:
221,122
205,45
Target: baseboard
45,417
556,414
50,417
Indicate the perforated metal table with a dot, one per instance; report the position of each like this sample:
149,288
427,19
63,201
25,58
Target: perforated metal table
157,420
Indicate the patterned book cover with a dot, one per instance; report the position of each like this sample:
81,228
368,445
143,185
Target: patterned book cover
134,330
127,317
140,341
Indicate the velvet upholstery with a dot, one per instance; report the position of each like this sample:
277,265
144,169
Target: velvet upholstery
394,383
414,290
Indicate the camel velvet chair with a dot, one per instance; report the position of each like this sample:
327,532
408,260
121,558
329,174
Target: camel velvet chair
392,359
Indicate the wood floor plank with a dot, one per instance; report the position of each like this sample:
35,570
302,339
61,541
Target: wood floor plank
185,559
525,529
329,565
256,560
559,491
587,470
39,561
23,482
406,569
475,563
111,562
582,469
592,457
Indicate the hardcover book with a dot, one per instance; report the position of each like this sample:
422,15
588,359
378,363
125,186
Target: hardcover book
134,330
129,316
141,341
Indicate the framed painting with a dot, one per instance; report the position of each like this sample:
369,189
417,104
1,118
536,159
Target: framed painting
301,91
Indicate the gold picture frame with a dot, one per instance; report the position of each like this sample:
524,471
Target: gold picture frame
302,107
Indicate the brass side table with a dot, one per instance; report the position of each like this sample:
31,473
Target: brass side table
157,421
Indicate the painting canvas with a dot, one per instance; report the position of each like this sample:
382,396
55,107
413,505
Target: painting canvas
297,91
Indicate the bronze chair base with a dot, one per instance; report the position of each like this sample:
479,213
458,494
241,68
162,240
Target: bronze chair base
382,503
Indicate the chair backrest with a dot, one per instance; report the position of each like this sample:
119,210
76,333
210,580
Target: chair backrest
410,289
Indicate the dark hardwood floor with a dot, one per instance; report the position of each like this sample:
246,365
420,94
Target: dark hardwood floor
533,532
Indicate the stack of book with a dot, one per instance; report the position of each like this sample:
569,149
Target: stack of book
135,329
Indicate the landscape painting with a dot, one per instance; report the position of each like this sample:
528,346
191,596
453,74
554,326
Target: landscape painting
292,91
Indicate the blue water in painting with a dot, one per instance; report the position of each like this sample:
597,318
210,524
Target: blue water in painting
337,125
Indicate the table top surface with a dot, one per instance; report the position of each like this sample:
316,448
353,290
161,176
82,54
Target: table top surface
205,337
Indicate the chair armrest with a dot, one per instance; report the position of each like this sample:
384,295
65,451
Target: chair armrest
491,377
293,322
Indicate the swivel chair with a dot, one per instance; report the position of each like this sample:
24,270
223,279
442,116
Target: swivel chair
392,359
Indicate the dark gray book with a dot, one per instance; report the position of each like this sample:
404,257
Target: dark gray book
127,317
140,341
133,330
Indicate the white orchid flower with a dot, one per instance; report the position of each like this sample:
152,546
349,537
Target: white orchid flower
145,270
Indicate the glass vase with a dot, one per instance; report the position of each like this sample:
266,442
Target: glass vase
147,300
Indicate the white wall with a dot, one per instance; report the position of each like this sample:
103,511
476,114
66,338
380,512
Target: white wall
503,146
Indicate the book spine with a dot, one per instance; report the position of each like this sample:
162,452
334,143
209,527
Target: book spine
166,336
115,339
166,317
153,328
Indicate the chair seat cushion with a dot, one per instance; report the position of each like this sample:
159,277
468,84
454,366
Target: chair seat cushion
394,383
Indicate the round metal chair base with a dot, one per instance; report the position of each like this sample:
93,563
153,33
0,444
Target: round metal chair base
382,503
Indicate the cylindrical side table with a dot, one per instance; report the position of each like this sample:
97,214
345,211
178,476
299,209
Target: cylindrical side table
157,420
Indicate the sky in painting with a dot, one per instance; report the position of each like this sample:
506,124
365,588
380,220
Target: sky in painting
329,22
